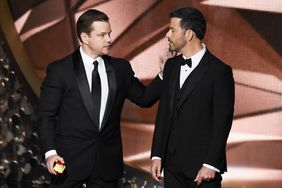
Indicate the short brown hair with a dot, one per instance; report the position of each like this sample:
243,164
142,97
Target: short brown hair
83,24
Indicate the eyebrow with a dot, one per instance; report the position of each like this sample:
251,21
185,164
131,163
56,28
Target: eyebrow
104,32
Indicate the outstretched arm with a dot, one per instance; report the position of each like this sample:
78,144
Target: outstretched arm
144,96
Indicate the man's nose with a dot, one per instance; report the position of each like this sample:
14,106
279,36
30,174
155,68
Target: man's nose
108,38
167,34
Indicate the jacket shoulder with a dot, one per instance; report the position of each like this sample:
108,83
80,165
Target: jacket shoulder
114,59
61,63
217,63
218,68
117,62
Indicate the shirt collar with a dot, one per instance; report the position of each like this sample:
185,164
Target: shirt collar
196,58
88,61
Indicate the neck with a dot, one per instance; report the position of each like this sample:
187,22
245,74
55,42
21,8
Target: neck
191,49
89,52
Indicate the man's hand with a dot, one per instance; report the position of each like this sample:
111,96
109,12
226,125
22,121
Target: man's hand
51,161
163,58
156,169
204,174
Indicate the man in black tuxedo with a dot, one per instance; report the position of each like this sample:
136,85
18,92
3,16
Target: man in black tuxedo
80,106
195,111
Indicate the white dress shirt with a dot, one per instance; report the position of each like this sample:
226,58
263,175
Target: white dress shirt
89,66
185,71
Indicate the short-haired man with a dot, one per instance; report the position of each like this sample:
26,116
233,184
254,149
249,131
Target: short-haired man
80,106
195,111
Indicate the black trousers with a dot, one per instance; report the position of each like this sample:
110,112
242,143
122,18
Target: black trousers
93,181
175,178
179,180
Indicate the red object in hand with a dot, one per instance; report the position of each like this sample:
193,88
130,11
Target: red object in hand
59,167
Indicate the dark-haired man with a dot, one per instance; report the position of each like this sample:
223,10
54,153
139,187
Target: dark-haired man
80,106
195,111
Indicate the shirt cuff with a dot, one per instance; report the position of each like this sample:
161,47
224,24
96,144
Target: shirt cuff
49,153
211,167
155,157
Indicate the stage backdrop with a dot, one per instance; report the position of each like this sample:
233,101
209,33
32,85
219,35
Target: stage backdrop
244,34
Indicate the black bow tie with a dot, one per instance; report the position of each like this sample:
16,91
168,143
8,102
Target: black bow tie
186,62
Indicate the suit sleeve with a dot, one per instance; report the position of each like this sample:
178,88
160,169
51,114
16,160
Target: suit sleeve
49,103
144,96
158,141
223,108
162,119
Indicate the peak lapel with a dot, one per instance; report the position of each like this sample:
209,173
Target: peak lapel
83,84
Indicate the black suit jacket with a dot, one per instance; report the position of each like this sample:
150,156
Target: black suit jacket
66,121
193,124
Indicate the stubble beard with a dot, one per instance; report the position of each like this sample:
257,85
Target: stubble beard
173,48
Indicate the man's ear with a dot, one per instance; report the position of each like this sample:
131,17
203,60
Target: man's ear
189,34
84,37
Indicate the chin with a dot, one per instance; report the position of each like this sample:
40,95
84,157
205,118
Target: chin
172,48
106,52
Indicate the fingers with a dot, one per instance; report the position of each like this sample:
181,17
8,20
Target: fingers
204,174
50,164
161,64
156,170
174,53
198,180
51,161
61,159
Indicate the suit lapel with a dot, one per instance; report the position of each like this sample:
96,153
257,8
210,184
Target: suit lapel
193,79
174,81
112,89
83,84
